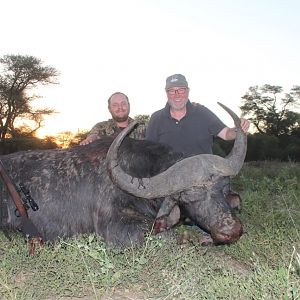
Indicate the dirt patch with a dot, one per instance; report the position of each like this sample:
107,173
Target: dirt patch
21,277
115,295
125,295
232,264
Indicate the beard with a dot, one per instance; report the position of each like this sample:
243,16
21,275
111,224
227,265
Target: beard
179,105
120,118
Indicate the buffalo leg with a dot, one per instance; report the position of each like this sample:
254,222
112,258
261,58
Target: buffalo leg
167,216
123,228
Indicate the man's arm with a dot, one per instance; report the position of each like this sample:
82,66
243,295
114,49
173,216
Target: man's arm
230,133
95,133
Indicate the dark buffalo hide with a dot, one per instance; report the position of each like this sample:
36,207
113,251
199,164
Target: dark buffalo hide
76,196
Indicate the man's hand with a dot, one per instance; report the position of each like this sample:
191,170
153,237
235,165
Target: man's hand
230,133
245,125
89,139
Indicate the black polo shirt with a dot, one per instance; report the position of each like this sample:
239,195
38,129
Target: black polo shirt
192,135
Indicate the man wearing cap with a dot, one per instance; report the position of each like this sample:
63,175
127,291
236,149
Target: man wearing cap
119,108
188,128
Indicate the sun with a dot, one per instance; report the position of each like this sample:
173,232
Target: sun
42,133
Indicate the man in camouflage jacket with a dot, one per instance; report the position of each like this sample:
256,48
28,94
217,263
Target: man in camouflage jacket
119,108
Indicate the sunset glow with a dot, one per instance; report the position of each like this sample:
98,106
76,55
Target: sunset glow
100,47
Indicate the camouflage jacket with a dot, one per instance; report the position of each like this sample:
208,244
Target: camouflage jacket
110,128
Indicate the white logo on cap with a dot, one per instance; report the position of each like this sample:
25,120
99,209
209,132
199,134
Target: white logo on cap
174,79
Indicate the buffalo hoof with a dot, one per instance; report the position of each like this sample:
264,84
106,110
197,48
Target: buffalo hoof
166,222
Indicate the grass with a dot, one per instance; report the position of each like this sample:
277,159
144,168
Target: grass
263,264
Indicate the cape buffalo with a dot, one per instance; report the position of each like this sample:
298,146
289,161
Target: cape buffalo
118,188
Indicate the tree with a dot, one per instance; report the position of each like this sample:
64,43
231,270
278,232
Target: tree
269,109
65,138
20,75
25,141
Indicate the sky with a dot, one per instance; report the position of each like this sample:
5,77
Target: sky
99,47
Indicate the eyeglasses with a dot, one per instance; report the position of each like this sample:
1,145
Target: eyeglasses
180,91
